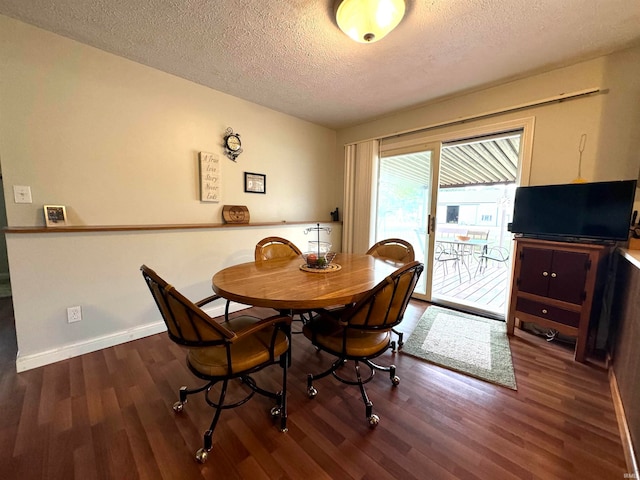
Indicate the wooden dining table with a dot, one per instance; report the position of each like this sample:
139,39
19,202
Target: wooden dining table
282,283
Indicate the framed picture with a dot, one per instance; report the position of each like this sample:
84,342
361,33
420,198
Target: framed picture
255,182
55,215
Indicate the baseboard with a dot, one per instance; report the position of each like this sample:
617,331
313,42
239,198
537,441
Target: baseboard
28,362
625,435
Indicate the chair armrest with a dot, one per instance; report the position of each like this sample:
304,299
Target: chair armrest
204,301
262,325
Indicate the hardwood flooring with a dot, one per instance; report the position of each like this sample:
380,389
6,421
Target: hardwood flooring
107,415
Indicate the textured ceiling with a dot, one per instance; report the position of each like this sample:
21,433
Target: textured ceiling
291,57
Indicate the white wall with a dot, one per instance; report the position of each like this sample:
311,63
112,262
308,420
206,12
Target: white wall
610,120
100,272
117,143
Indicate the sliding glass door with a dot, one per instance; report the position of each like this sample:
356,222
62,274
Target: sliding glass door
405,202
452,200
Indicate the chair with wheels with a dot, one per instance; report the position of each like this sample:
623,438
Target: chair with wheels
275,247
270,248
362,331
393,248
222,352
397,250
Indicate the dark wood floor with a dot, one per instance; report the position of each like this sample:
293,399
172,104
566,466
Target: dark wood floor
107,415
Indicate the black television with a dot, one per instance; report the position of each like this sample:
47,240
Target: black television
598,211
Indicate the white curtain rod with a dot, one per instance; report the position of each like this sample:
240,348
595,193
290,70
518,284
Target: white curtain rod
536,103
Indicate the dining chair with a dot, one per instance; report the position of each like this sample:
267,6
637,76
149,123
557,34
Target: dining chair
275,247
398,250
222,352
270,248
362,331
394,249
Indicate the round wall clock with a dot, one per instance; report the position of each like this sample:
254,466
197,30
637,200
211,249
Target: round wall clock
232,144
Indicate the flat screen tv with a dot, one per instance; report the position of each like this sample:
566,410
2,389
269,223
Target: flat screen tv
590,211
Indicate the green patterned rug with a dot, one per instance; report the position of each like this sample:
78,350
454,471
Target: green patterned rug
469,344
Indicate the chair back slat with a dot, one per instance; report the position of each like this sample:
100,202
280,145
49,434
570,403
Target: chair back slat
186,323
384,306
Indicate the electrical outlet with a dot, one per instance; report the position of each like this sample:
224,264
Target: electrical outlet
74,314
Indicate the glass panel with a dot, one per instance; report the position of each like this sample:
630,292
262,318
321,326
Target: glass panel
403,202
470,269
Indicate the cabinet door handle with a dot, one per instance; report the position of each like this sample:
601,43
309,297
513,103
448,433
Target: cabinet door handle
544,274
553,275
544,310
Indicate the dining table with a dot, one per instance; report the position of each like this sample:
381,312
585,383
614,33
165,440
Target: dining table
287,284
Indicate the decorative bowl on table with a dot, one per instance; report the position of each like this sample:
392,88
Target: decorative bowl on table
313,260
463,238
318,247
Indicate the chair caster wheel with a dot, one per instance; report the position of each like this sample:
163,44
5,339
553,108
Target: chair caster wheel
178,407
312,392
202,455
395,381
374,420
275,411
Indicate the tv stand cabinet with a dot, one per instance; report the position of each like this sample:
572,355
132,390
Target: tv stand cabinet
557,285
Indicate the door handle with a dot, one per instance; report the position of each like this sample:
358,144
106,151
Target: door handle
431,224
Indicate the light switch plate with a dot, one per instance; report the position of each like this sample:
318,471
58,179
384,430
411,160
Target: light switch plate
22,194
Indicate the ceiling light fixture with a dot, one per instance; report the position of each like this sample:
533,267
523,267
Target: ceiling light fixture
367,21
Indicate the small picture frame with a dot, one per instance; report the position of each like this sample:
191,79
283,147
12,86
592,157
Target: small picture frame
255,182
55,215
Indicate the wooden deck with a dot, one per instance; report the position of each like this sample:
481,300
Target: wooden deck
482,291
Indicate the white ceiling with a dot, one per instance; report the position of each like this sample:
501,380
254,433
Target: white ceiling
291,57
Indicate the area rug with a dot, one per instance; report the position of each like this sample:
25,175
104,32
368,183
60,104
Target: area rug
468,344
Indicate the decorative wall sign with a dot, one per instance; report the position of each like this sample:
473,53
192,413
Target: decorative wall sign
210,182
235,214
255,182
55,215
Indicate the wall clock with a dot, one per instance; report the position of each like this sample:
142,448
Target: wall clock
232,144
235,214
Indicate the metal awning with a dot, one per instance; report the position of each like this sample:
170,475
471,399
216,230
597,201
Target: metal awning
482,161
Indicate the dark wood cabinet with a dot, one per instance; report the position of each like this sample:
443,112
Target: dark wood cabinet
557,286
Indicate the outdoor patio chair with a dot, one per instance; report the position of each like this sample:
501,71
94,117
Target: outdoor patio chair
445,257
494,254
